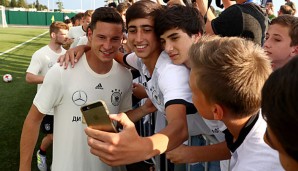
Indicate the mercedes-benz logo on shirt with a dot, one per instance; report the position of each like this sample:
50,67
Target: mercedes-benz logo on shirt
79,97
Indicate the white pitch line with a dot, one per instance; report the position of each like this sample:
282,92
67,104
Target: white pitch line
9,50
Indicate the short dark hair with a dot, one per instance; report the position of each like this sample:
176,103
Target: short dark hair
186,18
107,15
290,22
122,6
142,9
112,4
279,105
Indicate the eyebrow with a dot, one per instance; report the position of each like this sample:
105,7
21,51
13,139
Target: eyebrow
142,26
172,35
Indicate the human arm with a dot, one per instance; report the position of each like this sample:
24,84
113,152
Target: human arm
133,148
139,91
72,55
29,137
193,154
34,79
175,2
136,114
203,5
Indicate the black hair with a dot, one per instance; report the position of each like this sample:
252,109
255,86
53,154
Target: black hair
279,106
142,9
186,18
106,14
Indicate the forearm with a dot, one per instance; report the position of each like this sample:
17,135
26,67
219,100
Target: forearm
173,135
136,114
208,153
34,79
203,5
28,141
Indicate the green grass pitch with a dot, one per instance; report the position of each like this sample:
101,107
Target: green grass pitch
16,97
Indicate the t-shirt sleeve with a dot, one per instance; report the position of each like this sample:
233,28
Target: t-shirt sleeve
126,103
229,22
35,64
50,93
172,89
131,60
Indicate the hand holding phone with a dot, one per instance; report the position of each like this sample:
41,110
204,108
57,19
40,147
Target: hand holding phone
96,116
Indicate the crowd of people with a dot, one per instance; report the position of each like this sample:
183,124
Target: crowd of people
222,88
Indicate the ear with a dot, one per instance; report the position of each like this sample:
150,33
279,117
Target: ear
217,112
196,37
294,51
89,34
53,35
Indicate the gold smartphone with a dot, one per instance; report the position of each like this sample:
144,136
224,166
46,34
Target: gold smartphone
96,116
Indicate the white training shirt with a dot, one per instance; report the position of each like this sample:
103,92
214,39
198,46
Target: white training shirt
169,85
83,41
42,60
66,91
254,154
75,33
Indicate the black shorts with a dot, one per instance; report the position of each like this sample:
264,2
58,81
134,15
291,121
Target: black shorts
47,124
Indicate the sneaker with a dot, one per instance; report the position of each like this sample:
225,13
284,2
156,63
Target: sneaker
41,161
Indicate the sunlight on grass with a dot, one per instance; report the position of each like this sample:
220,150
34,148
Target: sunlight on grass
17,96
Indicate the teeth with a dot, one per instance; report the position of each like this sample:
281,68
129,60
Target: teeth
141,47
106,53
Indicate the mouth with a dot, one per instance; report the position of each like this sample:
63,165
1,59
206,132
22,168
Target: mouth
173,55
141,47
268,53
106,53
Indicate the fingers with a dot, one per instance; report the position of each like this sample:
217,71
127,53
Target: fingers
60,60
123,119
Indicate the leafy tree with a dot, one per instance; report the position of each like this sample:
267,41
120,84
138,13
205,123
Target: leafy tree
13,3
4,3
60,5
22,3
37,5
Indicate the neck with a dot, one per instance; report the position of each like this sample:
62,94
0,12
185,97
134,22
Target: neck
240,1
97,65
187,64
235,125
151,62
55,47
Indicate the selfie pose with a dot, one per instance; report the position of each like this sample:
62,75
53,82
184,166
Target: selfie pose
100,77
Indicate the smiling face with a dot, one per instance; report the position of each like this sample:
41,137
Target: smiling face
177,43
277,45
105,40
142,38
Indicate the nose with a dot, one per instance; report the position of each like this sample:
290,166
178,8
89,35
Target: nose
168,47
267,44
139,36
107,45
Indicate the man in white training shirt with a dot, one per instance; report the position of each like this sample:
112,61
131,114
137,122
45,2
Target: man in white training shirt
42,60
96,76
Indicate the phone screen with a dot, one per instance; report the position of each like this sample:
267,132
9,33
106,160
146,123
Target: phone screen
96,116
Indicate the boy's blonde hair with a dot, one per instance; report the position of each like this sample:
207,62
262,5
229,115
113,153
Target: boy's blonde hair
88,13
57,25
292,23
230,71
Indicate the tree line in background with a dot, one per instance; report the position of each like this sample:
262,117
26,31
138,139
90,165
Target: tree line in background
23,4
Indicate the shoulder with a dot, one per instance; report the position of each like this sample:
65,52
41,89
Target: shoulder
41,51
166,66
